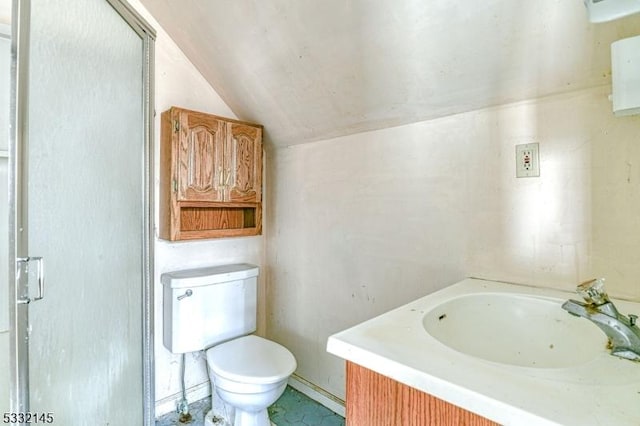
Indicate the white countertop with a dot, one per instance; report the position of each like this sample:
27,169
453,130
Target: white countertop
604,391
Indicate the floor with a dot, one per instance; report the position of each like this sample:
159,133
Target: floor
293,408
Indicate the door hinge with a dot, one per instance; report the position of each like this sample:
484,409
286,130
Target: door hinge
175,185
23,268
176,126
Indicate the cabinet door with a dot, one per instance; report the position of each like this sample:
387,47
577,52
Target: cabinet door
244,145
200,157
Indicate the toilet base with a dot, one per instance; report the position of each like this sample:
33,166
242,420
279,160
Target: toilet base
260,418
256,418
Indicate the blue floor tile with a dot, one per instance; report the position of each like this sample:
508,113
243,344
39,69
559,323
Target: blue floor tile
295,408
292,409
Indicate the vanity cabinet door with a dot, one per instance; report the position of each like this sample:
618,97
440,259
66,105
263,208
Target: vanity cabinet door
200,157
243,168
377,400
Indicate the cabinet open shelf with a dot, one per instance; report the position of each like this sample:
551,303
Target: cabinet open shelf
208,218
204,221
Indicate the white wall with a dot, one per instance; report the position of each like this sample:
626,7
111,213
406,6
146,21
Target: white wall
362,224
5,12
365,223
179,83
580,219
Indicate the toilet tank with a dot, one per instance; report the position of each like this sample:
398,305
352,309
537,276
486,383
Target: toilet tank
206,306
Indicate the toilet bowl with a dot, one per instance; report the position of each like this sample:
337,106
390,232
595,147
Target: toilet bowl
249,373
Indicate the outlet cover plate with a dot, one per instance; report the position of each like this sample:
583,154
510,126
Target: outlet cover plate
527,160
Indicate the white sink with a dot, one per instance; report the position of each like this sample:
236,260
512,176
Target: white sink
506,352
525,331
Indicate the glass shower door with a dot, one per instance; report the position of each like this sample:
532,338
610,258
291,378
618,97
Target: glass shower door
5,55
81,208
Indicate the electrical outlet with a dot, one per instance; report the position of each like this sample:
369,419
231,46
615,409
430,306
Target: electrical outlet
527,160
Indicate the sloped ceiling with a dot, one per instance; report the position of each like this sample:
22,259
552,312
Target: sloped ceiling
314,69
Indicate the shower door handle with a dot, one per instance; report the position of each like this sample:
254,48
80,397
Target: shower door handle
23,267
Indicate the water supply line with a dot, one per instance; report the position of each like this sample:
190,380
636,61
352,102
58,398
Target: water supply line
183,404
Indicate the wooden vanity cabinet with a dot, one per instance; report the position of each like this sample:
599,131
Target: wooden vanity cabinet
377,400
210,176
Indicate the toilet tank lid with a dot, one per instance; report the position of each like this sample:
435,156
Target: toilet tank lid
209,275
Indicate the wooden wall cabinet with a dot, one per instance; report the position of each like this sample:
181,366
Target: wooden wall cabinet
210,176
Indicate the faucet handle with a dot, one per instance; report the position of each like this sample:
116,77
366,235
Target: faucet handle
593,292
633,318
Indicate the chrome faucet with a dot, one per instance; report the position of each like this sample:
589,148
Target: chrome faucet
622,331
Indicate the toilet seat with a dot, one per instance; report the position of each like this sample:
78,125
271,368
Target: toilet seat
252,360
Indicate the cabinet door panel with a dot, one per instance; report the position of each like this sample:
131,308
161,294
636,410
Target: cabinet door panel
200,157
245,163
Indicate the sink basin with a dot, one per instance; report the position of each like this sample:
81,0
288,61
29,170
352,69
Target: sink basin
519,330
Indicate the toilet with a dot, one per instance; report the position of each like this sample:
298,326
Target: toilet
214,309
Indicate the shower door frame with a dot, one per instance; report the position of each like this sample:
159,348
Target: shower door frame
18,232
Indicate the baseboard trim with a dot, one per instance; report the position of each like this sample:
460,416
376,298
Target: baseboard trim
194,393
318,394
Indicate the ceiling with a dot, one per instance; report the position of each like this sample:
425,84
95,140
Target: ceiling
315,69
